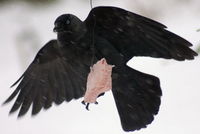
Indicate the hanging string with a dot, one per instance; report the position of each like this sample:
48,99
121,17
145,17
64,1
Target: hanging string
91,4
93,33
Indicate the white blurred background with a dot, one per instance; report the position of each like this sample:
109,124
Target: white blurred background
26,26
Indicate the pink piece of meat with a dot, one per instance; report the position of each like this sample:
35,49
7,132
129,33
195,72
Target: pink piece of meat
99,80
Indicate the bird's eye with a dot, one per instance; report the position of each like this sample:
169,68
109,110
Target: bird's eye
68,22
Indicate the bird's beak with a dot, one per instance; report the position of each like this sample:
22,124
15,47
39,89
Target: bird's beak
55,29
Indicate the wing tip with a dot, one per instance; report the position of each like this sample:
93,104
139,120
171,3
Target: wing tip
189,55
11,96
17,81
20,114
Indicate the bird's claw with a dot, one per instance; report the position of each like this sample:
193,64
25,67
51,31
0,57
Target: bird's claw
87,104
83,102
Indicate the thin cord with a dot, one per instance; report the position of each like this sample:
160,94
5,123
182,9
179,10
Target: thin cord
93,30
92,45
91,4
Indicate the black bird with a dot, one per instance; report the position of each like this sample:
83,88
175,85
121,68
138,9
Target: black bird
59,71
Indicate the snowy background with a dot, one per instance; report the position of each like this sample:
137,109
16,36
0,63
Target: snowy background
25,28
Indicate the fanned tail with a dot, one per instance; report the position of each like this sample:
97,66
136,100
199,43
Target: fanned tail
137,97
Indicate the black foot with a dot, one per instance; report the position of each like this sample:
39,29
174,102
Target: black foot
86,105
101,94
83,102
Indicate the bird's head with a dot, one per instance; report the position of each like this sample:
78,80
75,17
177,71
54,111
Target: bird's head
68,23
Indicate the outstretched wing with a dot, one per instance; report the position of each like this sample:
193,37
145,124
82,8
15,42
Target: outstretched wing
135,35
55,75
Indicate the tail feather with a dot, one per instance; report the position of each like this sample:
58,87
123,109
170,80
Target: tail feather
137,97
